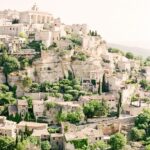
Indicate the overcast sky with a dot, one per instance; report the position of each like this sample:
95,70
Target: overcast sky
118,21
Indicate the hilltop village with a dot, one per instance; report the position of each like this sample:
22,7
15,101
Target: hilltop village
62,88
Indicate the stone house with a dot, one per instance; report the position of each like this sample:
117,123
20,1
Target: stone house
42,134
124,65
114,83
22,106
13,29
38,108
56,140
90,134
45,36
31,126
36,96
109,98
7,128
59,106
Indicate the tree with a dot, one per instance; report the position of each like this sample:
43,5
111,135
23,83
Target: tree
100,88
142,121
7,143
22,35
137,134
37,45
15,21
99,145
144,84
129,55
119,104
104,84
10,64
147,147
68,97
4,88
72,117
27,82
45,145
35,87
117,141
95,108
24,62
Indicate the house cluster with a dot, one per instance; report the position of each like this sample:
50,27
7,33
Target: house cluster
68,48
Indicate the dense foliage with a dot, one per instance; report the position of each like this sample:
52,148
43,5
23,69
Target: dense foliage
117,141
70,89
96,108
7,143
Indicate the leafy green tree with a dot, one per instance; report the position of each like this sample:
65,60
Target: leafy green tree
99,145
129,55
117,141
7,143
144,84
137,134
68,97
37,45
24,62
113,50
72,117
11,64
22,35
45,87
80,144
143,121
95,108
27,82
45,145
4,88
147,147
35,87
7,98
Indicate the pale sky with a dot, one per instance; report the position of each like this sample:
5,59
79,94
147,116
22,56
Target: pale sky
117,21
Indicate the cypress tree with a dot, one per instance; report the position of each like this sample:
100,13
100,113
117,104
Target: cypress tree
119,104
100,88
104,84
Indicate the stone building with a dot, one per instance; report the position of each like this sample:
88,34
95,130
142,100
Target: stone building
42,134
124,65
22,106
34,16
56,140
59,106
38,108
31,126
7,128
13,29
45,36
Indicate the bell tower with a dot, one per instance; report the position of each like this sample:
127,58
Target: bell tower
35,8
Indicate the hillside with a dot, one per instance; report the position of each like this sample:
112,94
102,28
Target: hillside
136,50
